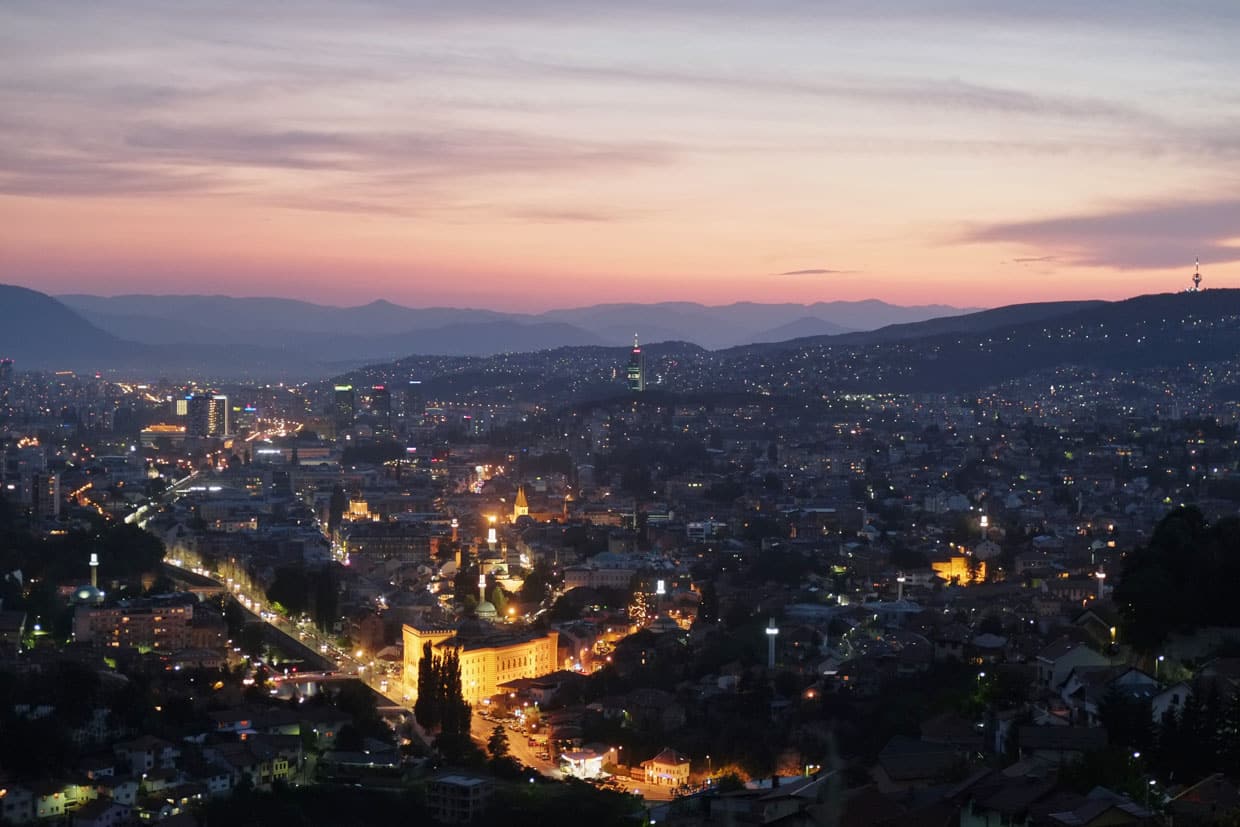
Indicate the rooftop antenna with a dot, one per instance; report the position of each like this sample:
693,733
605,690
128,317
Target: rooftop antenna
1197,277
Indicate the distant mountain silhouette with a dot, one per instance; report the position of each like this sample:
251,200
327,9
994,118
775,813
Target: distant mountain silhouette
803,328
382,329
39,332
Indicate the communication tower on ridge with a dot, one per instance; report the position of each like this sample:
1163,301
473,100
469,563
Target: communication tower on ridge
636,371
1196,278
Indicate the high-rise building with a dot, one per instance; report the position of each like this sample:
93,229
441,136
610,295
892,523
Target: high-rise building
41,491
206,415
345,410
637,368
381,408
6,370
414,404
218,421
197,415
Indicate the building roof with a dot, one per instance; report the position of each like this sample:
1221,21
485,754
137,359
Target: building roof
1062,738
905,758
668,757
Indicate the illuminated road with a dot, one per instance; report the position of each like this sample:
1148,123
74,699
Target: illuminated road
518,745
304,639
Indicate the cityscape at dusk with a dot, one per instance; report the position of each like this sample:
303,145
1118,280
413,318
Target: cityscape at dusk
683,413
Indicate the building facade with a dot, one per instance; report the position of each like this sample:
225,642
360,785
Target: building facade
486,661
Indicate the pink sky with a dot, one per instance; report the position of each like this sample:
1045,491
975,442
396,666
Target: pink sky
546,154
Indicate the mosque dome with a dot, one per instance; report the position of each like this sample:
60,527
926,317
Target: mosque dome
486,610
86,595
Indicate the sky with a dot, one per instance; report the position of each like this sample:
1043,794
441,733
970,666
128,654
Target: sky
532,154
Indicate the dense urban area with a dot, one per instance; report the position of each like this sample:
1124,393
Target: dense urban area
818,584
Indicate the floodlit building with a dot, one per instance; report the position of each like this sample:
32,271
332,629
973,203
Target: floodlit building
584,764
487,659
667,769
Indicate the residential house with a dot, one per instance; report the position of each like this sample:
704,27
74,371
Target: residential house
1059,745
667,769
147,753
102,812
910,764
1086,689
1057,660
458,799
1211,799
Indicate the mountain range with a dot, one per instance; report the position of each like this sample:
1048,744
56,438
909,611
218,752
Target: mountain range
226,338
1133,341
382,330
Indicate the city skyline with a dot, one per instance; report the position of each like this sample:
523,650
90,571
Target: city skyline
564,154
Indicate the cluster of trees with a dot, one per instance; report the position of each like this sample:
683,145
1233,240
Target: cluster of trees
299,591
441,705
1201,738
1182,580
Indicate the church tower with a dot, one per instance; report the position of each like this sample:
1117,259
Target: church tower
521,506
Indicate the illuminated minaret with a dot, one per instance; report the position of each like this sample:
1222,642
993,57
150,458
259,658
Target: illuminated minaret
94,570
771,632
900,587
456,525
482,585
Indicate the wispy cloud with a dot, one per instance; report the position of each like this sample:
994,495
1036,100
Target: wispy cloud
1142,237
946,93
366,170
816,271
567,215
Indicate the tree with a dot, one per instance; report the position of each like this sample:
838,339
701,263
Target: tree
537,585
708,607
440,700
426,709
499,600
291,589
253,637
326,599
335,508
497,744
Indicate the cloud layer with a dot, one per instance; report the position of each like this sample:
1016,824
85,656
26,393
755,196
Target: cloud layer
1144,237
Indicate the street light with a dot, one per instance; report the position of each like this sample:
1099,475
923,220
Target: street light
1157,663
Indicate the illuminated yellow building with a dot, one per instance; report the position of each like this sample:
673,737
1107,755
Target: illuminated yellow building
486,661
955,570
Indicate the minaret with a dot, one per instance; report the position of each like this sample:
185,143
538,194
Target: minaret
482,585
771,632
900,587
94,570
